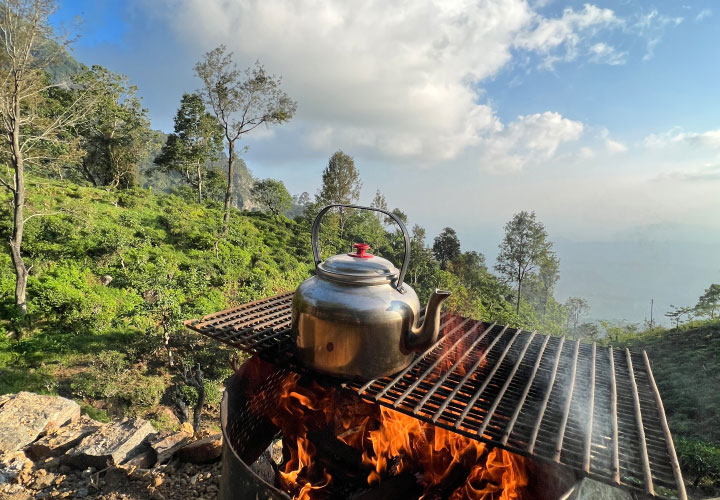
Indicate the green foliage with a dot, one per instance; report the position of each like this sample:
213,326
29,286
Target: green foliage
522,250
699,460
272,196
116,133
446,247
340,183
709,302
196,143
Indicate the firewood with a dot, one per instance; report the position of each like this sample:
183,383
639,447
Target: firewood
403,486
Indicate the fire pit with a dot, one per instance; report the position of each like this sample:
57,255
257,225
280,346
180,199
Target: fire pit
503,393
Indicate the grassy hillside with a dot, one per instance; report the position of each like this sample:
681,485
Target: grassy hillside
686,366
104,343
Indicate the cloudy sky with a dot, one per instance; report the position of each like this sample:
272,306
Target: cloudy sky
602,117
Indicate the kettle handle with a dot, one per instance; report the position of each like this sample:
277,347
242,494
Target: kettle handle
406,259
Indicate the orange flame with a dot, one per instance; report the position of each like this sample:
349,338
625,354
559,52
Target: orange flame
391,443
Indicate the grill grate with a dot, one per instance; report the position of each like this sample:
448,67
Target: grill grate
593,409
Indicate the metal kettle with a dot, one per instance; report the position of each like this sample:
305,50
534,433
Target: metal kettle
356,318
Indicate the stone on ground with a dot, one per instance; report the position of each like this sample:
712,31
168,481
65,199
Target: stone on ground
25,416
111,445
57,443
166,444
201,451
589,489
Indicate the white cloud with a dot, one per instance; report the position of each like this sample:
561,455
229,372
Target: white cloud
709,139
529,139
603,53
546,35
403,81
615,147
708,172
652,27
702,15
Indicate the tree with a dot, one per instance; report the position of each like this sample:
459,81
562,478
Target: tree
470,267
676,313
709,302
340,183
446,247
29,48
588,331
548,276
379,202
524,245
271,195
196,143
241,101
116,135
576,308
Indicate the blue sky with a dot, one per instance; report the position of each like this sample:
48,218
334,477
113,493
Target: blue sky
603,117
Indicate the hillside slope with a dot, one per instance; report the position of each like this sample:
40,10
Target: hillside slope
114,274
686,366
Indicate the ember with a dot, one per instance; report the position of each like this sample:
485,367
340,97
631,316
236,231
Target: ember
388,444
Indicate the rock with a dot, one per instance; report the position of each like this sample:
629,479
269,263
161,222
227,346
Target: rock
25,416
15,467
45,481
105,280
165,445
59,442
202,451
82,493
112,444
589,489
143,460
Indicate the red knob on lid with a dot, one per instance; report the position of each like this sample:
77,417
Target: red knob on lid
360,249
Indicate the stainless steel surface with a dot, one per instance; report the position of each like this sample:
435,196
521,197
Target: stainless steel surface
406,238
523,384
356,318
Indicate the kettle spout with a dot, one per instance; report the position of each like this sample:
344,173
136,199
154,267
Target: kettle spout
421,338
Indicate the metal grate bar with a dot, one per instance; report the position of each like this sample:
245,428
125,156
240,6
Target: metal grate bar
640,428
521,401
467,376
484,385
668,438
591,411
543,407
508,380
433,366
406,370
597,411
457,363
566,412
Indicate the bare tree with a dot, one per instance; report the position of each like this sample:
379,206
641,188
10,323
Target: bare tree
241,101
29,48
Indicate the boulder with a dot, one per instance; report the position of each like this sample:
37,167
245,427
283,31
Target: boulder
589,489
26,416
166,444
15,467
111,445
57,443
202,451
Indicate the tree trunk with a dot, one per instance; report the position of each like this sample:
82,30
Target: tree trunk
229,190
199,183
517,303
21,273
197,412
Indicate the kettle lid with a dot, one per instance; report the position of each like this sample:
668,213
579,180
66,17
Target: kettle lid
358,267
